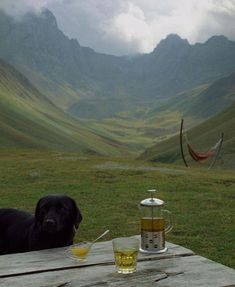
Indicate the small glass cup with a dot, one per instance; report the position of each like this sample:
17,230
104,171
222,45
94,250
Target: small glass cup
80,250
125,254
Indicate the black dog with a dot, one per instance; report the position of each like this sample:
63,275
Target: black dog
53,225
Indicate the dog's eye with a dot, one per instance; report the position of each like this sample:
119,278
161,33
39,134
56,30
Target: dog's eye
43,211
61,209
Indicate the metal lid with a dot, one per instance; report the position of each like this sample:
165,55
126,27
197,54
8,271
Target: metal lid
152,201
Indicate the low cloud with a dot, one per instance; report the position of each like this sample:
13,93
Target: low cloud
133,26
21,7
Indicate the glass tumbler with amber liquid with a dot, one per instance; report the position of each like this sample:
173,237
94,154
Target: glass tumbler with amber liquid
155,223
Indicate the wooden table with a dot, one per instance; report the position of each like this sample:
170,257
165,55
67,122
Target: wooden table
52,268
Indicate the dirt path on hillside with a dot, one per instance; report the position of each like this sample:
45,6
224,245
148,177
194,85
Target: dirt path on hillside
115,165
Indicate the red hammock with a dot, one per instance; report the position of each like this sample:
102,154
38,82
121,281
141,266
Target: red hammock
200,156
203,156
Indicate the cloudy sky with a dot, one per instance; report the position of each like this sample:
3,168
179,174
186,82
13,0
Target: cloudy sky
123,27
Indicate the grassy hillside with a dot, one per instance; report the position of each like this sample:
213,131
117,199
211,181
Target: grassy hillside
29,119
201,137
201,102
219,95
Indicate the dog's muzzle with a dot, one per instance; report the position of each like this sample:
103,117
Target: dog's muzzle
49,225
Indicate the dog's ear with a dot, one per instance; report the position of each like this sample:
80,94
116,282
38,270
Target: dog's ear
77,215
37,213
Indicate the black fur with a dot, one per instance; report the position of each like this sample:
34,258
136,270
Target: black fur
53,225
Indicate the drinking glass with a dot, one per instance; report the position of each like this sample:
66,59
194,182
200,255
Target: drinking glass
125,254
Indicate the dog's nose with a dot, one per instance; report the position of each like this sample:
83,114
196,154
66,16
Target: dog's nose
50,222
49,225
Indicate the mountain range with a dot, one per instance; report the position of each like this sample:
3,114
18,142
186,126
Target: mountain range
56,94
87,84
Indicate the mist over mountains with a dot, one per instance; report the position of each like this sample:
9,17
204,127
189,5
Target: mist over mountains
87,84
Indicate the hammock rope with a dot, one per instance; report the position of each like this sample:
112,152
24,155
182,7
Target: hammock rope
200,157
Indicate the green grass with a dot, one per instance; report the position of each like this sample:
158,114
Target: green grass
108,191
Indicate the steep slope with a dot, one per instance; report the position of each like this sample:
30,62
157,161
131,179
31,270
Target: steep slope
52,61
215,98
202,137
29,119
202,101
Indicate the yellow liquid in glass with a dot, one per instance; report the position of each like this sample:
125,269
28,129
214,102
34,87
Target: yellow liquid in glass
126,260
152,224
80,252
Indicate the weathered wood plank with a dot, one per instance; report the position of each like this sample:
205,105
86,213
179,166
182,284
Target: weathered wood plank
53,259
193,271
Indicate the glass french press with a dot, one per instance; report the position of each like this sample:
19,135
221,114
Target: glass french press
155,223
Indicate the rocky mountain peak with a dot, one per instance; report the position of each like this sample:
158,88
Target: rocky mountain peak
45,17
217,39
171,42
49,17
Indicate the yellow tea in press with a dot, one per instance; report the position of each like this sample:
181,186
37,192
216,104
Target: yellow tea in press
152,233
152,224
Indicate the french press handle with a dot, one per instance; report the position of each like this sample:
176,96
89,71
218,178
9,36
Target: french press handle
167,215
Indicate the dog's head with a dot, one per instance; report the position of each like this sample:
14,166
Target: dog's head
56,213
